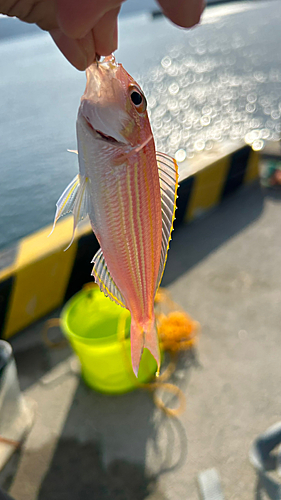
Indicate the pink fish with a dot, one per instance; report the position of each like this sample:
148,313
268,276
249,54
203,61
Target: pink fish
129,192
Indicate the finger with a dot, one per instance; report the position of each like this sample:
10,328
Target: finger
80,53
106,33
185,13
76,18
31,11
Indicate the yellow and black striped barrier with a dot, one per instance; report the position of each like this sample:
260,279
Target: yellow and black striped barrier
37,275
207,181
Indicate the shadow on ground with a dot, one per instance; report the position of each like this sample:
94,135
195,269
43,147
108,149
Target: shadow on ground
77,472
102,451
33,358
110,447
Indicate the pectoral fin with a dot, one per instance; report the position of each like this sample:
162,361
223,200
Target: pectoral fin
75,199
104,280
168,177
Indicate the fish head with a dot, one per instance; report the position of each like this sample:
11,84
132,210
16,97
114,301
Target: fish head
114,105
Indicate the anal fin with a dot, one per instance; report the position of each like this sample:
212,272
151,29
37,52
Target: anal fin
104,280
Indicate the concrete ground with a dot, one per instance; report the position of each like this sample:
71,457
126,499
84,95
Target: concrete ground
225,270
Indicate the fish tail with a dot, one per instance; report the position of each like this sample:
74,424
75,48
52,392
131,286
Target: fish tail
137,345
143,336
151,342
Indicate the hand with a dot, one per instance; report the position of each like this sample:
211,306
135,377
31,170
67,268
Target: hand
84,28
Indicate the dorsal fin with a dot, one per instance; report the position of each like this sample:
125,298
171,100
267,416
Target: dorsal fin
168,177
104,280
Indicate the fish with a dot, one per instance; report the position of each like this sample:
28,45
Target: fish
128,191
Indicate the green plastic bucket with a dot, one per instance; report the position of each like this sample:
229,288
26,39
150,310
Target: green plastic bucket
94,326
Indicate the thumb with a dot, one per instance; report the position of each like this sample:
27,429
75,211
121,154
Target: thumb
80,53
185,13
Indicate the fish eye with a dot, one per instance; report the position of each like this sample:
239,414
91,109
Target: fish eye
137,98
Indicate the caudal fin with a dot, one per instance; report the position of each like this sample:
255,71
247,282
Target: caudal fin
143,336
151,342
137,345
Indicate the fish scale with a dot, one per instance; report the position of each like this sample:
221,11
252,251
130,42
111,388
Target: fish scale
133,241
129,192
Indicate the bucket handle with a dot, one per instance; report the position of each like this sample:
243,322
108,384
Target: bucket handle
159,382
52,323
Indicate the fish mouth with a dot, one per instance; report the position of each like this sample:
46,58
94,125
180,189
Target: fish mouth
103,136
106,138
